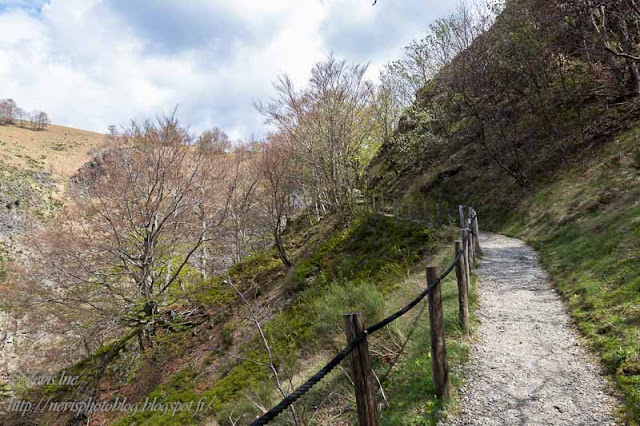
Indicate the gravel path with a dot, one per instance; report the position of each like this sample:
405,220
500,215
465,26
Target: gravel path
528,366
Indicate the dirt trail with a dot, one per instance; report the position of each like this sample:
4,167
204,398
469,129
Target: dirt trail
528,366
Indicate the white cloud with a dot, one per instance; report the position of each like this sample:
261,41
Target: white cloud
90,63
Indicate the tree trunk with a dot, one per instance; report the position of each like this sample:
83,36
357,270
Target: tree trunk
281,251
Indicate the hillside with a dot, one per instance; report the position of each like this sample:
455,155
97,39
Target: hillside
212,283
373,264
58,150
35,168
585,223
553,162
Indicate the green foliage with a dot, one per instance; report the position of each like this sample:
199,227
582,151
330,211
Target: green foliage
358,267
213,293
636,159
373,248
257,268
227,335
171,398
327,307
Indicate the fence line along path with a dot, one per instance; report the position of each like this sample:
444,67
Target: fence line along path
464,254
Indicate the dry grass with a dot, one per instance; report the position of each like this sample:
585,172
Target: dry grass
59,150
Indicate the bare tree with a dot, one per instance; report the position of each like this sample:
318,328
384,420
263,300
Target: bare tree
127,253
8,111
270,356
617,23
39,120
276,168
330,125
215,141
244,212
21,116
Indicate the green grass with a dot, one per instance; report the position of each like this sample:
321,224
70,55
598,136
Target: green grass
410,388
586,227
372,264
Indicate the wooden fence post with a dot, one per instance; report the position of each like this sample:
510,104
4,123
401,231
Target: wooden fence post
463,289
472,247
362,373
463,234
395,207
465,248
476,230
382,203
475,235
439,366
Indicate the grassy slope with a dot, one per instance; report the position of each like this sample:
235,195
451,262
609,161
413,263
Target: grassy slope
60,150
23,155
586,227
583,219
373,264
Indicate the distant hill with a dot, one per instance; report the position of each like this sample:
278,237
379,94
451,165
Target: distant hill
57,149
35,167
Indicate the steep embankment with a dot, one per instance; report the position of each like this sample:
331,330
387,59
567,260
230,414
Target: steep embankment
372,264
532,126
582,218
58,150
34,169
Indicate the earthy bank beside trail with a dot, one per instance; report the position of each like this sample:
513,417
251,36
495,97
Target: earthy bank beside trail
528,365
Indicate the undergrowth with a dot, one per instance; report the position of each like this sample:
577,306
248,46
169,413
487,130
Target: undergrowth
372,264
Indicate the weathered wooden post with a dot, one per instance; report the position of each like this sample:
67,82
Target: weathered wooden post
362,373
472,247
465,255
463,288
439,365
476,231
465,247
382,203
395,207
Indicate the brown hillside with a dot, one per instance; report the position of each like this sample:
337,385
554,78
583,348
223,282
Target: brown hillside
59,150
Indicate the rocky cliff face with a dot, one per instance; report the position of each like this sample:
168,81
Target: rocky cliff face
26,199
90,171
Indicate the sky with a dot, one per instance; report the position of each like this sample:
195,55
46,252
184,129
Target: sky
93,63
